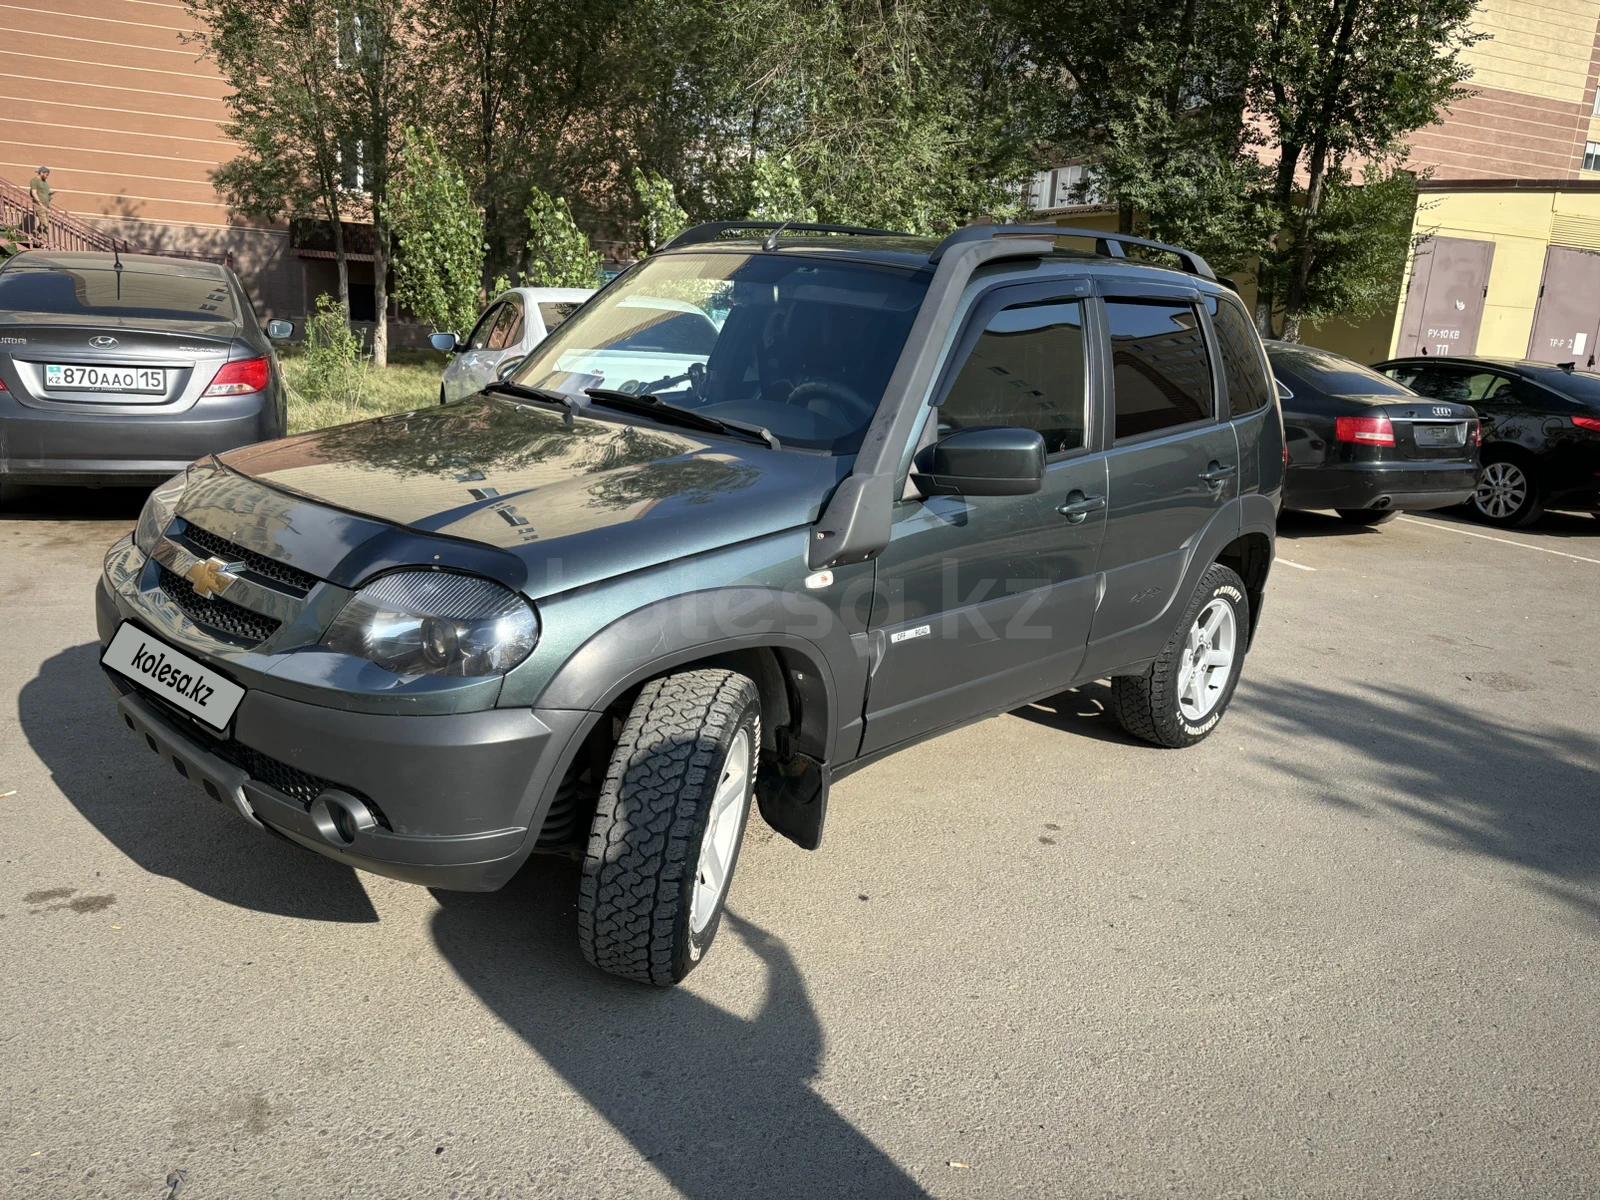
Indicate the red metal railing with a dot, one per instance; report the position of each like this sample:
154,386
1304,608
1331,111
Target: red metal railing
67,232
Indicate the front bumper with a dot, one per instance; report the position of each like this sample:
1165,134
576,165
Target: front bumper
460,798
57,445
1408,486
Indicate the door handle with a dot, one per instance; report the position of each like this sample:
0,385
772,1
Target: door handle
1078,507
1218,474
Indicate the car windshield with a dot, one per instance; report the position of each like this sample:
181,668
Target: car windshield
1330,375
800,346
96,292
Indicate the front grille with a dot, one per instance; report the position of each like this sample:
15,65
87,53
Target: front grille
292,578
233,621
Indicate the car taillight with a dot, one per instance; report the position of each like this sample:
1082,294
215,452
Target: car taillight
1590,423
1364,431
1477,433
237,378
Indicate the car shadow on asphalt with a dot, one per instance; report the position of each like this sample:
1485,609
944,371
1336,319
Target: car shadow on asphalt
1451,775
718,1102
1084,710
1294,524
164,824
75,504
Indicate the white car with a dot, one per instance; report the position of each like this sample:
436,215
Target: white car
513,324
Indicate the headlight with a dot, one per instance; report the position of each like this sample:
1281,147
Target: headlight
157,512
436,623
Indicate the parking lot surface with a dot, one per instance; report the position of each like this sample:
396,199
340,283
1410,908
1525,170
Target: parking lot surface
1347,946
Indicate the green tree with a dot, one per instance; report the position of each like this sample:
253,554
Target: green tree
558,252
286,112
1339,82
664,218
776,193
438,271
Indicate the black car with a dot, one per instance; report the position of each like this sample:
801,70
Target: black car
122,368
1541,430
1365,446
572,619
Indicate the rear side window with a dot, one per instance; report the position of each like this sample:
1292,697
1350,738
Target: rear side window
556,311
1160,371
1248,389
92,292
1028,369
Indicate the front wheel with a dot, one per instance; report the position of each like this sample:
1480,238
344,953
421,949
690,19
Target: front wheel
1367,516
668,825
1507,495
1182,695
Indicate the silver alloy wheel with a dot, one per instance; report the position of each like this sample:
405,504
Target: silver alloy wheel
722,833
1502,490
1207,659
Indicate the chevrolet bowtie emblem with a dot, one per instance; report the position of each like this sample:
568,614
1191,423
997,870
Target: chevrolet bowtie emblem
213,576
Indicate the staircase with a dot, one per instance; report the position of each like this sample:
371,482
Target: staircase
66,231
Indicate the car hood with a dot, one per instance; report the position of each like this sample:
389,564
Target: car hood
586,497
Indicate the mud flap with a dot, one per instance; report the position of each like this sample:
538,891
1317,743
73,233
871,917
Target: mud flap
793,798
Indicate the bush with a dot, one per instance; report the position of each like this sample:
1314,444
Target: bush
334,375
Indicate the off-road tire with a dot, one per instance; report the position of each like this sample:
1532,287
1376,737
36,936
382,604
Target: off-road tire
1367,516
1147,705
644,844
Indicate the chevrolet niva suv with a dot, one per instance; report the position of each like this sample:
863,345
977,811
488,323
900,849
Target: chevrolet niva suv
872,488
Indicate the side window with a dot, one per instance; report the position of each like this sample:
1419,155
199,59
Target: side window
1027,369
480,333
507,328
1160,371
1248,387
1442,383
556,311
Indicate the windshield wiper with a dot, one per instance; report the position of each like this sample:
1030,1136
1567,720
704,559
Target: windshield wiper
645,404
572,404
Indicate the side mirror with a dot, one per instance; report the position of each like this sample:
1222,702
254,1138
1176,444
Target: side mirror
509,368
280,331
444,343
984,462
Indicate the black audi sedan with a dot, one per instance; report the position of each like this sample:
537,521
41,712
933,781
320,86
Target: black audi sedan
122,369
1364,445
1541,430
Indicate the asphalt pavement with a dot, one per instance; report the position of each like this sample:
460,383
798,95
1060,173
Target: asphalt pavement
1349,946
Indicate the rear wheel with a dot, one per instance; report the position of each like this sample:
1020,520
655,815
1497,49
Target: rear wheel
1507,495
1367,516
1183,694
667,829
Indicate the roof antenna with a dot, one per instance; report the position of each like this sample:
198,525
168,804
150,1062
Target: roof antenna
772,238
116,265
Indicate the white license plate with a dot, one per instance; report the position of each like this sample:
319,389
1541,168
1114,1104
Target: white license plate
1440,435
173,675
143,380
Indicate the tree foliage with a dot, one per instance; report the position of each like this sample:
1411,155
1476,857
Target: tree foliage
438,271
558,252
664,218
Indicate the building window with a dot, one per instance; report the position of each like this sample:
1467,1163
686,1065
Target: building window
1591,156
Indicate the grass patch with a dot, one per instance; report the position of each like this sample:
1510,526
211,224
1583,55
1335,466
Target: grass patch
411,380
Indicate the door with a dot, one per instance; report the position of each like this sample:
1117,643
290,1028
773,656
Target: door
464,375
1567,321
1172,471
1444,300
984,603
504,342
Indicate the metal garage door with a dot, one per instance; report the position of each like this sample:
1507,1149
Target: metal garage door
1444,302
1567,322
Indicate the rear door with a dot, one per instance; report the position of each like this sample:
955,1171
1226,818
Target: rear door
1444,300
984,603
1172,471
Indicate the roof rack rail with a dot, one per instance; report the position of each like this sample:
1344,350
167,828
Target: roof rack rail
710,231
1108,245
